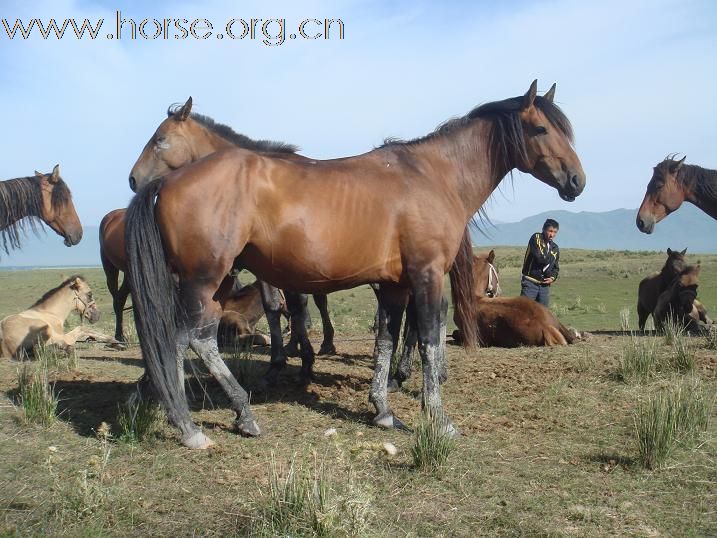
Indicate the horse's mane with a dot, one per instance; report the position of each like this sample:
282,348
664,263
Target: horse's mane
21,207
506,138
702,181
53,291
239,140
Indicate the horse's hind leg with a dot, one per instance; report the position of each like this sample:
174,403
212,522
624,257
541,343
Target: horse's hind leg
112,280
327,346
391,304
410,339
298,307
118,302
642,315
202,323
271,299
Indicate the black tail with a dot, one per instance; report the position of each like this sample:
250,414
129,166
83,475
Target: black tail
463,294
155,300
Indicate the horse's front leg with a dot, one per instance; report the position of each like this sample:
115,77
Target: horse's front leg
427,291
327,345
271,299
391,304
298,309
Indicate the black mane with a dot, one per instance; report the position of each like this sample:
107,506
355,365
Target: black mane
239,140
21,207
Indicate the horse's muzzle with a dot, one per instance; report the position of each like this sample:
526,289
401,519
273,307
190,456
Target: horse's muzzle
645,224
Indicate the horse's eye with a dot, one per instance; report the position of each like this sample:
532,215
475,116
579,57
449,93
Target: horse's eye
540,130
160,140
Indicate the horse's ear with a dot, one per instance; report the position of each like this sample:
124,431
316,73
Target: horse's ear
183,113
75,283
38,174
669,251
674,168
491,256
529,97
684,251
550,94
55,174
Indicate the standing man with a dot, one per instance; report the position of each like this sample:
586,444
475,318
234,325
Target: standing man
540,266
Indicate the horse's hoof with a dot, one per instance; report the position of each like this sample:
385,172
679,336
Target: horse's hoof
393,385
118,346
389,421
291,349
197,441
248,428
329,349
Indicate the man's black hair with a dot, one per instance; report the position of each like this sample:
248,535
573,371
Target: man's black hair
551,223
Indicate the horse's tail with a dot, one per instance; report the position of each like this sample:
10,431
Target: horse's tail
155,300
462,292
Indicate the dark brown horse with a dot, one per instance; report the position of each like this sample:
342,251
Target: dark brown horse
672,183
676,303
45,197
394,216
185,137
652,286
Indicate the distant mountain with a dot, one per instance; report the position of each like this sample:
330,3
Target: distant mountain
687,228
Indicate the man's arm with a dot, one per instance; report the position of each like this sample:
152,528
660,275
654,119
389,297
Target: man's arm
540,254
556,268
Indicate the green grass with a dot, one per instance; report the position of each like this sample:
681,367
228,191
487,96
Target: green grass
36,394
432,447
138,420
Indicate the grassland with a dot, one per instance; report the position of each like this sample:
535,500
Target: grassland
548,445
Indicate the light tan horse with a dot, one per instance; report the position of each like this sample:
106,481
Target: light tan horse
394,216
43,322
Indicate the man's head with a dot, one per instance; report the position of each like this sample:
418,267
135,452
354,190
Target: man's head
550,229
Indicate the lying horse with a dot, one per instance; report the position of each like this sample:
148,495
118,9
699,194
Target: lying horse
677,302
672,183
652,286
43,322
46,197
242,310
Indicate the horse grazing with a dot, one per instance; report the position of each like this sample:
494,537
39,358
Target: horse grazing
44,321
676,303
25,200
486,283
238,208
652,286
672,183
185,137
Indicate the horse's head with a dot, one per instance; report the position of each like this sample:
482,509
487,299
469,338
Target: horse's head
548,146
665,193
674,264
485,275
169,148
84,303
685,289
58,211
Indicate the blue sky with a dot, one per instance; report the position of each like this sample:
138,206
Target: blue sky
637,80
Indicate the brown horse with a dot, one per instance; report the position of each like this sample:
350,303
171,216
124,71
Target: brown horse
672,183
185,137
241,312
43,322
676,303
486,283
43,196
652,286
394,216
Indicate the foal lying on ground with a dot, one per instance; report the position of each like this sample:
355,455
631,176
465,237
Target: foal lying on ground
43,322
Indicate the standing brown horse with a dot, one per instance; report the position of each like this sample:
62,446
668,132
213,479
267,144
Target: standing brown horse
183,138
43,196
652,286
672,183
238,208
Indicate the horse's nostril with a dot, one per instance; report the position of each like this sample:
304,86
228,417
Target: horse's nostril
132,183
640,224
575,181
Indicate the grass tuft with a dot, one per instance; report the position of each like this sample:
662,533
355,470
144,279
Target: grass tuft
36,395
638,360
138,420
432,445
677,414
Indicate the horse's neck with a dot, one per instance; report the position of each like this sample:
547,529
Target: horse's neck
466,161
702,188
59,305
207,143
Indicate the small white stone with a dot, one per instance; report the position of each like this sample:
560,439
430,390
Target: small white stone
52,448
390,449
330,432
